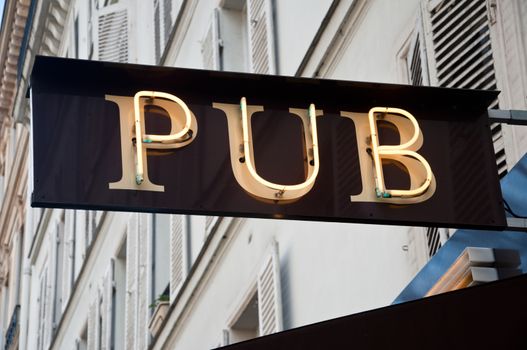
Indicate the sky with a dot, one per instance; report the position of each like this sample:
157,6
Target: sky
1,9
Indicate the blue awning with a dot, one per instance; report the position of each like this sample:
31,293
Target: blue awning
514,189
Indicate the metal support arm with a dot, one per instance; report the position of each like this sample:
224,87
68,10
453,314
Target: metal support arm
513,117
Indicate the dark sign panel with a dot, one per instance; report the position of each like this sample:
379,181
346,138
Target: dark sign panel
137,138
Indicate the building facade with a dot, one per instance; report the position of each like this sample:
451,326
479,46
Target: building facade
72,279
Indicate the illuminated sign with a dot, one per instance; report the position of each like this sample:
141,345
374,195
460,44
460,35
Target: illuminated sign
242,158
172,140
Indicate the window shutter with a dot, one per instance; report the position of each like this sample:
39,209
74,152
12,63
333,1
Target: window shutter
69,252
131,281
142,283
177,255
433,240
269,294
261,36
112,32
163,21
416,62
93,324
81,233
167,19
225,339
53,279
107,309
463,56
42,308
210,47
510,19
90,231
157,30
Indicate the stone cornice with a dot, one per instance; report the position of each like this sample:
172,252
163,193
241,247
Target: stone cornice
54,27
11,41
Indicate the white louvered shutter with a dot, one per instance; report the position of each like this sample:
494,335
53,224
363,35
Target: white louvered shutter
102,313
53,280
69,254
225,338
417,67
131,282
93,329
42,308
461,49
107,309
157,31
210,45
163,22
416,61
81,234
261,36
142,283
90,229
177,255
112,32
511,17
269,294
167,18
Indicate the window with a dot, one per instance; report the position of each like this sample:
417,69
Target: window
460,54
160,256
94,334
433,240
112,30
107,305
260,313
82,342
57,265
246,326
269,294
119,295
90,220
163,21
211,45
179,263
42,301
131,306
260,29
463,56
68,272
101,313
240,37
414,57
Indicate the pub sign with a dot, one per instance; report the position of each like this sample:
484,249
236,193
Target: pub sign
111,136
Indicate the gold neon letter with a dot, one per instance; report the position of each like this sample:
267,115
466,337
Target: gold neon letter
134,141
396,153
371,154
241,145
